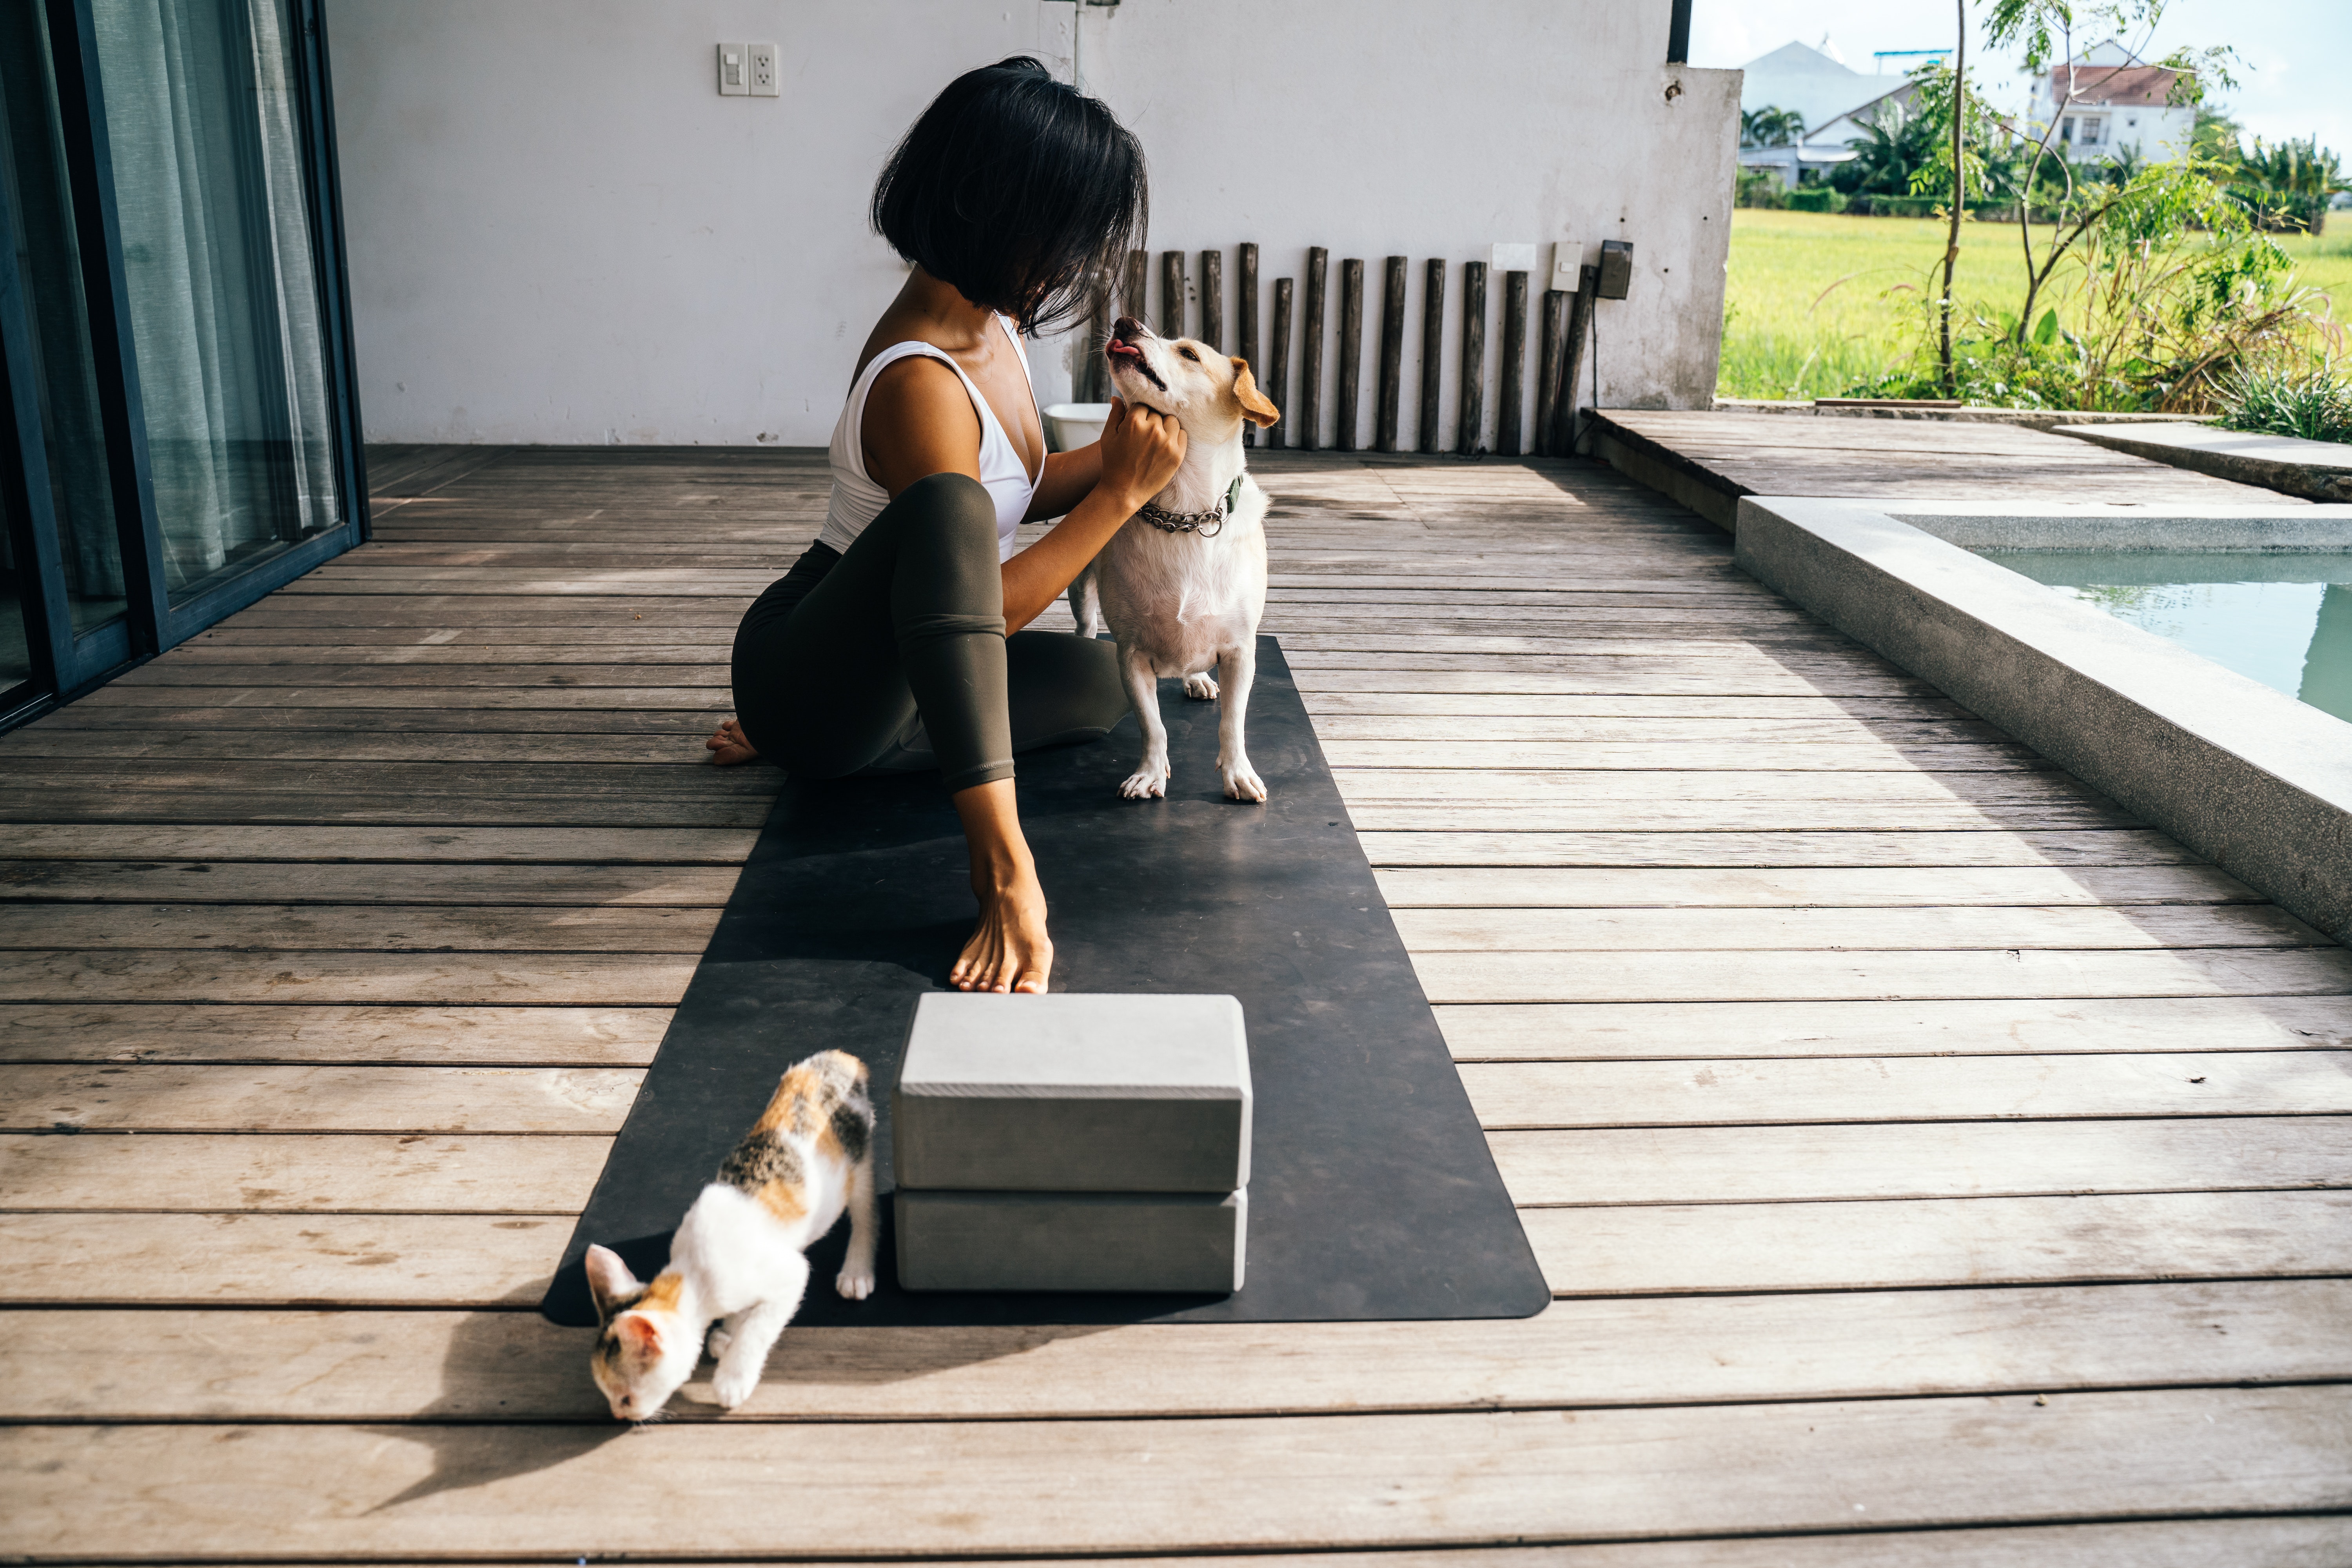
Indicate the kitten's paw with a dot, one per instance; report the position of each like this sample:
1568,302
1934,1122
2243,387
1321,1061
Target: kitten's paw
733,1386
1242,781
857,1284
1148,782
718,1342
1201,688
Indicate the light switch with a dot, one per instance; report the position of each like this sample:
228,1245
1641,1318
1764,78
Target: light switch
762,58
1569,259
734,70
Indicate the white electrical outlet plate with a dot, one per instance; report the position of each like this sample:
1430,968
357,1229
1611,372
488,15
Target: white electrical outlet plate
1568,258
734,70
1515,258
761,66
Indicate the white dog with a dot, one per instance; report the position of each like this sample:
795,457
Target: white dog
1183,586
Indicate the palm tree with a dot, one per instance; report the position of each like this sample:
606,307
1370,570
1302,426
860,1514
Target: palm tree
1770,127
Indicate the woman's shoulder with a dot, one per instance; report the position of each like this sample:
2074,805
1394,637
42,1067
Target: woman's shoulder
923,381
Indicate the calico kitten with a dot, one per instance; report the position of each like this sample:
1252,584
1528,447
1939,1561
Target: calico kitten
737,1259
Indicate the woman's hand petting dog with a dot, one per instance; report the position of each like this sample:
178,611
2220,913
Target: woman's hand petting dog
1141,450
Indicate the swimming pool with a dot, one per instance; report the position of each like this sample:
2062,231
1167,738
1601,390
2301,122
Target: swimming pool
2283,619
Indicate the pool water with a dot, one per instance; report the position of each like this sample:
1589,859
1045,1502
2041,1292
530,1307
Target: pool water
2282,619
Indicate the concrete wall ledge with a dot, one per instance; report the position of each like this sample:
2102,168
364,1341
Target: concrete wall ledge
2315,470
2042,419
2248,778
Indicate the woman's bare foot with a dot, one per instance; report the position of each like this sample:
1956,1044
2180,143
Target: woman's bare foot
728,747
1009,950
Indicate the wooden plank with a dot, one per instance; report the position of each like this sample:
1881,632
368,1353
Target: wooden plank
1765,711
261,1173
1804,976
1220,1483
1213,299
1929,927
296,1032
1608,886
375,928
256,1099
1703,815
447,980
1909,1089
1774,850
677,745
1351,350
1656,729
1307,432
1755,757
1630,1031
1278,365
483,845
1563,788
301,808
1433,347
1171,294
1510,421
234,882
709,650
673,725
1471,399
683,700
616,783
328,1366
713,673
281,1259
1646,1248
1392,367
1951,1160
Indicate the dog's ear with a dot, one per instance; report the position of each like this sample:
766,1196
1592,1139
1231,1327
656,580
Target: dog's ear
1254,406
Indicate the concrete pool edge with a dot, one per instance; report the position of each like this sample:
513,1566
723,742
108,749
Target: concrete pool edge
2248,778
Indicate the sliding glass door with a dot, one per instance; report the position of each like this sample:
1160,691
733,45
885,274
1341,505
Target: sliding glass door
181,434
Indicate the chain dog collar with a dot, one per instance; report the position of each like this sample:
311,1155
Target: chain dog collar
1207,524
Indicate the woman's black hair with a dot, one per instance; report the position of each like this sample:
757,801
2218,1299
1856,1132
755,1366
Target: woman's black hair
1019,190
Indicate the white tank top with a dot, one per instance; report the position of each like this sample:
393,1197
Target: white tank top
858,499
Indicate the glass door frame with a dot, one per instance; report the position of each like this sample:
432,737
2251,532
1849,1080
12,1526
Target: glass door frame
64,665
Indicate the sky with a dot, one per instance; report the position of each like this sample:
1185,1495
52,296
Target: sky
2290,77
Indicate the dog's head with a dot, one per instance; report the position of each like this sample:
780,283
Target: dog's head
1207,393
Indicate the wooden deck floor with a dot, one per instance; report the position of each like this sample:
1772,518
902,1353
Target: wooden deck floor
1933,1166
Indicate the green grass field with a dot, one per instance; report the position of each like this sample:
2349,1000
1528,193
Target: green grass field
1817,301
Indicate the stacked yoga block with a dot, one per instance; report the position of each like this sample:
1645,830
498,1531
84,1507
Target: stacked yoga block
1073,1142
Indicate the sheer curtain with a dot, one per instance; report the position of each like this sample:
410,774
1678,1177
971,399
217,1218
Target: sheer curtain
219,254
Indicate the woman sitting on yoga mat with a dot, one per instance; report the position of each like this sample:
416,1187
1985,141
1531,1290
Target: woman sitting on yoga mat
885,647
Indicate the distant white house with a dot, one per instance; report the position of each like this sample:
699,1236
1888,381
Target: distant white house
2106,103
1836,103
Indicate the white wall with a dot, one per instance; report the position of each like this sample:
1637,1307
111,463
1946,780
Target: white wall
560,233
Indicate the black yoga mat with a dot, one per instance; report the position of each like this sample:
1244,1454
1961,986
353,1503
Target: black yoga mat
1372,1195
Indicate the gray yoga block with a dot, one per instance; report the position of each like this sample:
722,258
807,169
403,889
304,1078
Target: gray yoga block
1069,1093
1072,1241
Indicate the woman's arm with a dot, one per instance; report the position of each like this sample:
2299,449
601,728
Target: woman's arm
1067,476
926,424
1140,452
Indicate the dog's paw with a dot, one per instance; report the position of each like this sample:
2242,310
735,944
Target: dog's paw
1147,782
855,1284
1201,688
1242,782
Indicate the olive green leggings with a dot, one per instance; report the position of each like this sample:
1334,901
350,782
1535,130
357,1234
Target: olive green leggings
838,662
